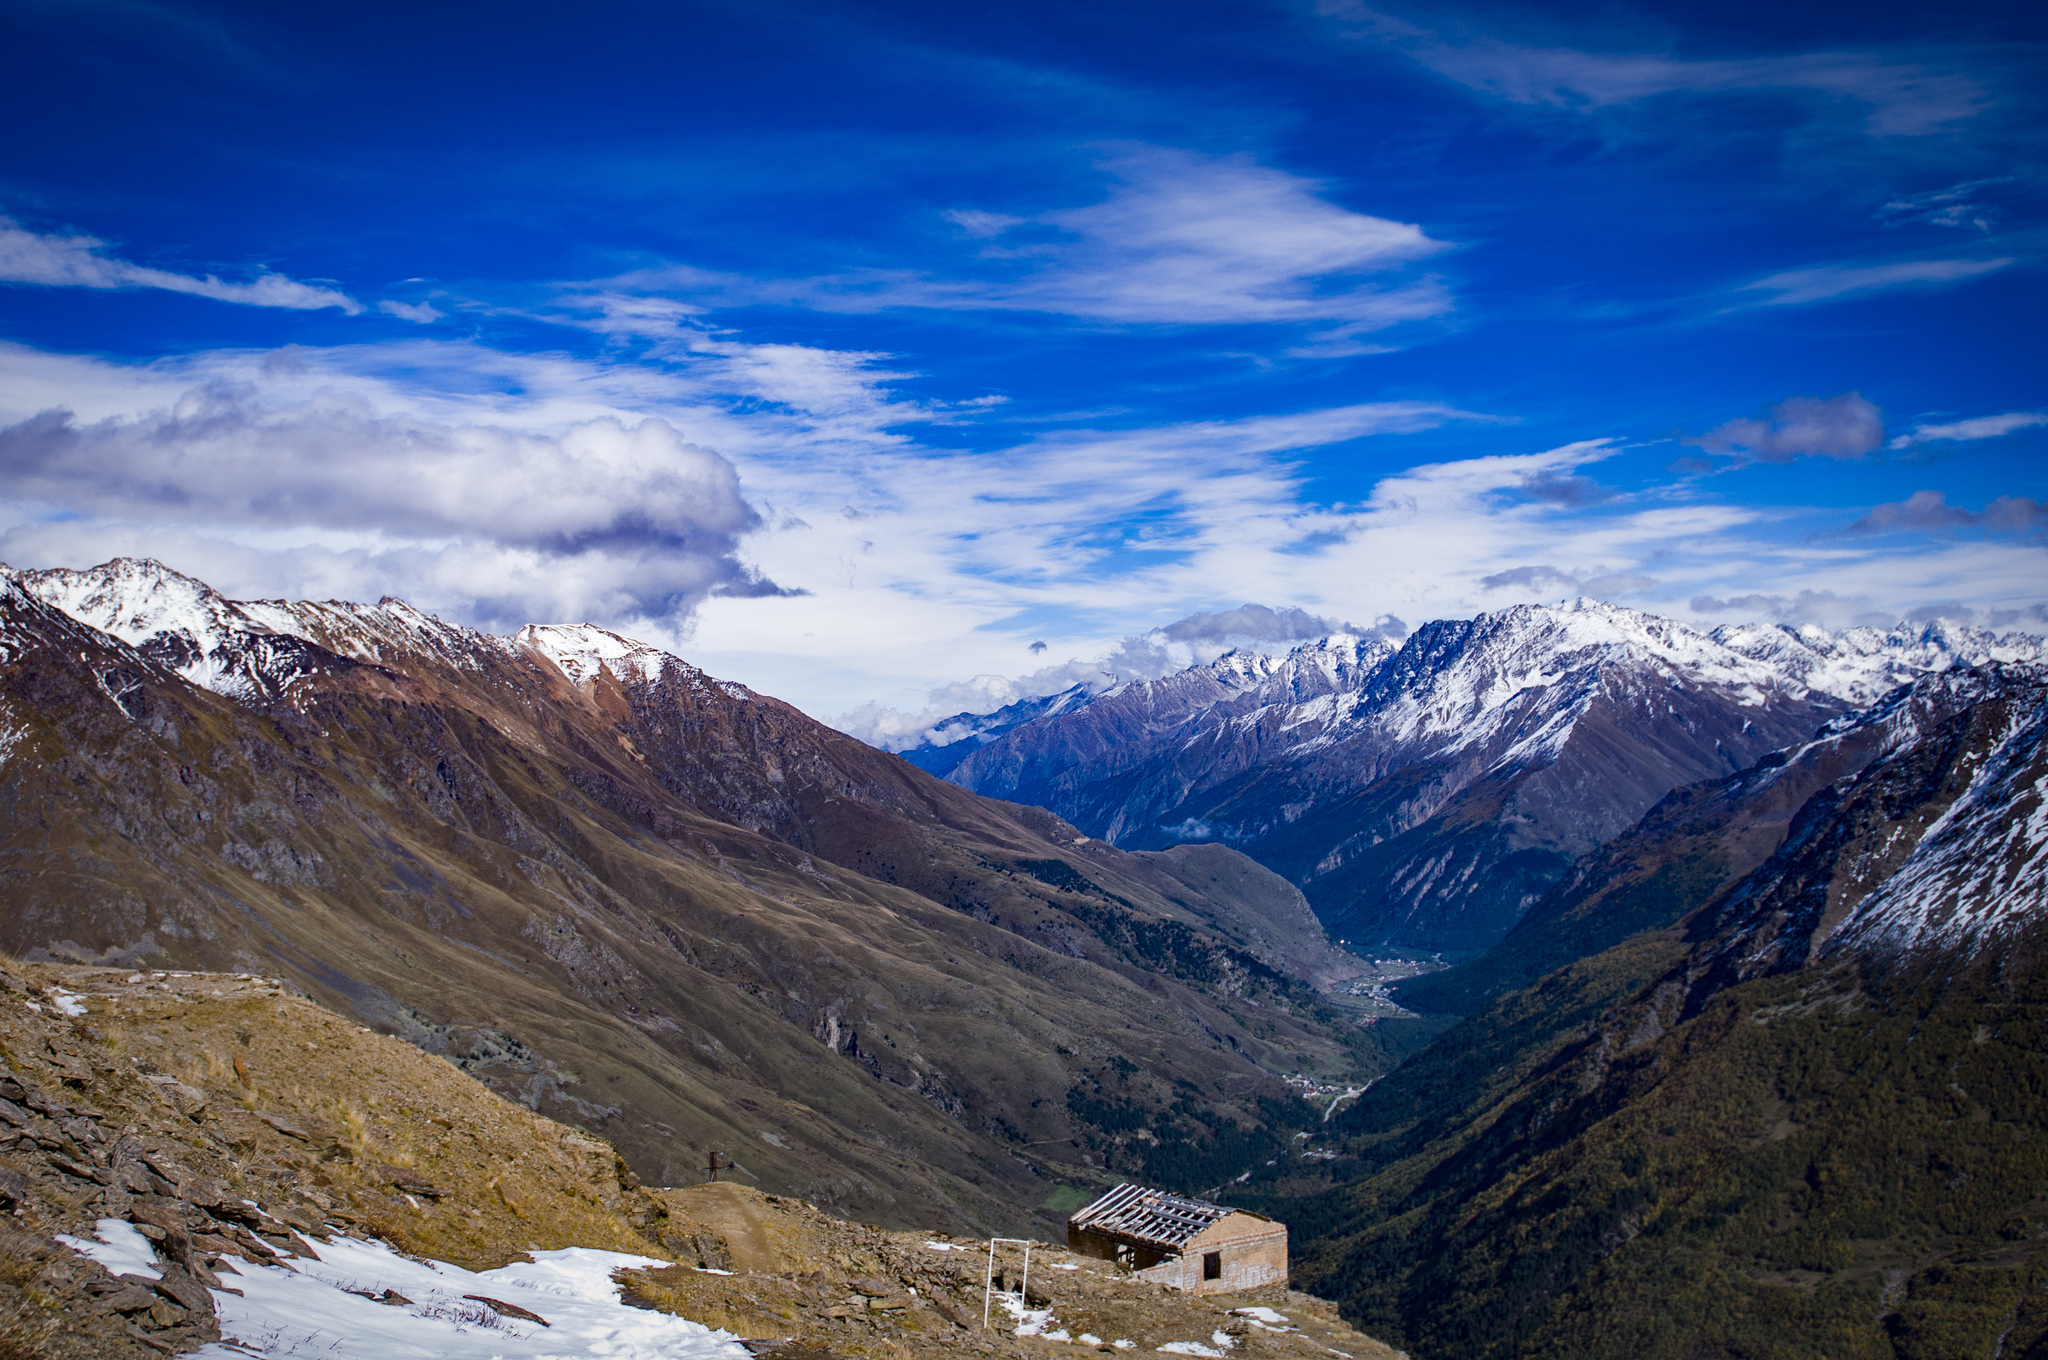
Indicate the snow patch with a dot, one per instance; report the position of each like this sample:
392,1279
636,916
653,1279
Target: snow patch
117,1246
334,1307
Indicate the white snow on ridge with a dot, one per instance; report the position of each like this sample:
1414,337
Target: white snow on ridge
1860,665
581,650
1979,869
1318,691
140,601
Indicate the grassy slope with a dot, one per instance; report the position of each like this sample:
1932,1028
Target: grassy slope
1815,1165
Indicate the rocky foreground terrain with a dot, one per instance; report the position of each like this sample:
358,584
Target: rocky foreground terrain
245,1132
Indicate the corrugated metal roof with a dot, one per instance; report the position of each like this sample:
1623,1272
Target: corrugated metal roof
1147,1217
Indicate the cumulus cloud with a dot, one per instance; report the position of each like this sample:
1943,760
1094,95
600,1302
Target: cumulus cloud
78,262
647,520
1978,427
1828,427
1904,99
1929,511
1797,287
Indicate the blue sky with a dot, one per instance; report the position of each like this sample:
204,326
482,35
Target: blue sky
853,350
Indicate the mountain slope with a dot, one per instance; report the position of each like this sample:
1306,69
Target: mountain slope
1428,796
1809,1121
1693,843
642,900
1425,796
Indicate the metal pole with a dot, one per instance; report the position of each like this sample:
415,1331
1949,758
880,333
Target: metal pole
988,1284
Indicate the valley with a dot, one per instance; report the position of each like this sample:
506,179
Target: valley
1570,983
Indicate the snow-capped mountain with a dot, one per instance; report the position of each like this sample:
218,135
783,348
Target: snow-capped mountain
1980,869
1427,795
1860,665
1936,839
952,740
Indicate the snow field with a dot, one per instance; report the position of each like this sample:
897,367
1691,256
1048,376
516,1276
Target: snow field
332,1307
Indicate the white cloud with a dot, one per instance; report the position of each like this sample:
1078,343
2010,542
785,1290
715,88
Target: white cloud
1186,238
1959,205
1181,239
1977,427
503,489
421,312
1903,99
1828,427
1796,287
611,520
77,262
977,223
1930,512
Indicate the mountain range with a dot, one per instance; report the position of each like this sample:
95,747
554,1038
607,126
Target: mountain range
648,902
1740,1051
1427,795
1763,1077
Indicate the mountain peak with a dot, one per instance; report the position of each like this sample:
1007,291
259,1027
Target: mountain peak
582,650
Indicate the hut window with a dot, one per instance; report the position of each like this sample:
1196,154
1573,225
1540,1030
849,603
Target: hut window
1212,1265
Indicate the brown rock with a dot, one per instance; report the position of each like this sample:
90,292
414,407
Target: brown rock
504,1309
875,1289
411,1182
182,1289
133,1299
202,1193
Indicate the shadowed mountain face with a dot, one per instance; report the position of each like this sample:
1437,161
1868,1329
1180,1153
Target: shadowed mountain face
1805,1118
1429,796
647,901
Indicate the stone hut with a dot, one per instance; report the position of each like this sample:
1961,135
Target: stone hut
1186,1243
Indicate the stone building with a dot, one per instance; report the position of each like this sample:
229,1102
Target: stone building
1186,1243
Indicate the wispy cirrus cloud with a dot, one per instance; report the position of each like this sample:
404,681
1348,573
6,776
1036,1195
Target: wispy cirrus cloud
1180,239
1977,427
1824,283
1904,99
1968,204
78,261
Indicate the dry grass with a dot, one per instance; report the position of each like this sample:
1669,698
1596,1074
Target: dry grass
369,1104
